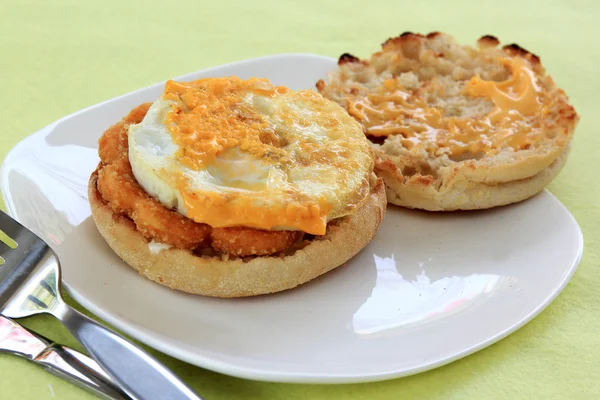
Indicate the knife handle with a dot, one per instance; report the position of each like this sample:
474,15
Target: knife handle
80,370
135,371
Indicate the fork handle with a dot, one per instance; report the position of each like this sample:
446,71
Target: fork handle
141,376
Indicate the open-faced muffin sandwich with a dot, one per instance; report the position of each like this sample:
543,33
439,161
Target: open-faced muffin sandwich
227,187
456,127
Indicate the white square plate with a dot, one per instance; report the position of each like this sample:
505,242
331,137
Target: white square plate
429,289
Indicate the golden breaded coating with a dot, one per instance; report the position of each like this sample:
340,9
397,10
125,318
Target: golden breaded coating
155,221
123,194
117,184
252,242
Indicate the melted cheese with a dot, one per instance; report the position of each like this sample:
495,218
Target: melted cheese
208,117
394,110
228,152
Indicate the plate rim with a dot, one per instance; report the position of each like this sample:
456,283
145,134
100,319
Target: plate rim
274,375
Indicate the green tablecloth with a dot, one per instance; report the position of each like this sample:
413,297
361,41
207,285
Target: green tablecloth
59,56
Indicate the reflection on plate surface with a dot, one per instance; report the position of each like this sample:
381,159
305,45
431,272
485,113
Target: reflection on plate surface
429,289
396,301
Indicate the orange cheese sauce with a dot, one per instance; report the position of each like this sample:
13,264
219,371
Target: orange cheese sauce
396,111
208,117
218,211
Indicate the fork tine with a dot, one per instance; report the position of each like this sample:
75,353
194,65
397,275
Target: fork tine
9,226
4,249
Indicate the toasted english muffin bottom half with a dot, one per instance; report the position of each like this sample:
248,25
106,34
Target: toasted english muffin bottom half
228,188
455,127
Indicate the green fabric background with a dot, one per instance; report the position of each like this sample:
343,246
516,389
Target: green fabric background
59,56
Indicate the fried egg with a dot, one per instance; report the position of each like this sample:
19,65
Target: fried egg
230,152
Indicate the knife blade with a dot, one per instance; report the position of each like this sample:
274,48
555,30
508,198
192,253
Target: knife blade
59,360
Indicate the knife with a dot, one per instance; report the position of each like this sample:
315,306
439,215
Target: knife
59,360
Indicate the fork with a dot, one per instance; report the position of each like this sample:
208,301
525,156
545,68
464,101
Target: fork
29,285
